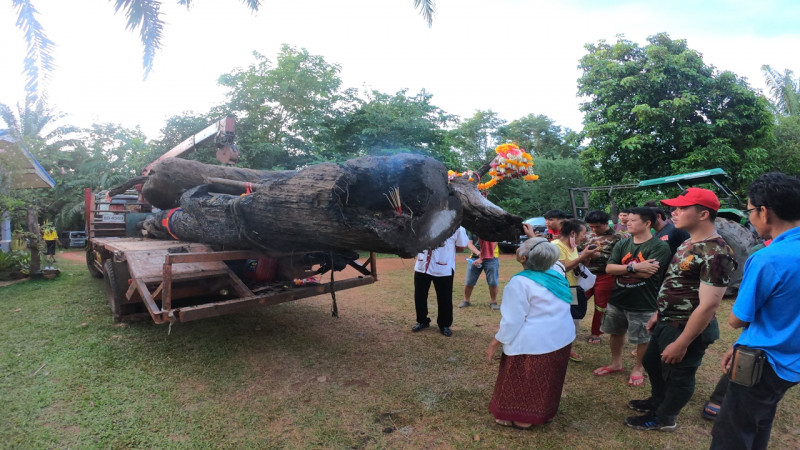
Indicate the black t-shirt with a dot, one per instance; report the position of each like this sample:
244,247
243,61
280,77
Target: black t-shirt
673,236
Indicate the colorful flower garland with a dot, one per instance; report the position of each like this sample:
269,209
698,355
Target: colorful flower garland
510,162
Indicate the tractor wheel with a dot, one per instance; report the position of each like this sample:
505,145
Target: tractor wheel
741,240
90,263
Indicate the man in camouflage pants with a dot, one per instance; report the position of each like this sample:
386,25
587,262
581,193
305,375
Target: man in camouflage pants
685,324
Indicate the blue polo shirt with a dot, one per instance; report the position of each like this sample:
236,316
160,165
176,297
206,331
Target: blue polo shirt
768,299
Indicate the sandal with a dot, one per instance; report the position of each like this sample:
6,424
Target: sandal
636,380
575,357
514,425
504,423
710,412
594,340
605,370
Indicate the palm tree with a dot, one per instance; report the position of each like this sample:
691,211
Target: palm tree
784,91
142,15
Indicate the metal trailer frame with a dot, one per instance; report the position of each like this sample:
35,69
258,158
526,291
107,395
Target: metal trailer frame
177,281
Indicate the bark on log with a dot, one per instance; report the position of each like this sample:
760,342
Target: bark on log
322,207
482,217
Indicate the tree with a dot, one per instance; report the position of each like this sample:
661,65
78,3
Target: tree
659,109
142,15
540,136
529,199
476,138
390,123
282,110
784,90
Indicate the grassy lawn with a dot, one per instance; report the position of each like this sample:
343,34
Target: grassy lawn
291,376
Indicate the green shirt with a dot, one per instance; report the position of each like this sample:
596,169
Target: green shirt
632,293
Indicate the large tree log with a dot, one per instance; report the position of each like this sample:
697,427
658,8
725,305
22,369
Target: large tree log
322,207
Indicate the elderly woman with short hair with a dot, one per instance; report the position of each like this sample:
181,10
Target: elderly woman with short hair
536,332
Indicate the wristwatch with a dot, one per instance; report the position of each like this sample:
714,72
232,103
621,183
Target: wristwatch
631,268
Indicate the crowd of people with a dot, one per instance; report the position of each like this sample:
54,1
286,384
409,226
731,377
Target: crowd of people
658,277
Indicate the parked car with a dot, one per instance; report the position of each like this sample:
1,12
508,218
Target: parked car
511,247
76,239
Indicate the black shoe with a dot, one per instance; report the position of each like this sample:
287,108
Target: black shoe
642,406
649,422
420,326
445,331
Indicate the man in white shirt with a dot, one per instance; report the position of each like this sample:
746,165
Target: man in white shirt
437,266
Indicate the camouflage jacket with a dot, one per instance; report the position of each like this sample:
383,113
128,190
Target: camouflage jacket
606,243
711,262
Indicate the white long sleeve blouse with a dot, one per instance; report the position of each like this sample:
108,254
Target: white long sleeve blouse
534,320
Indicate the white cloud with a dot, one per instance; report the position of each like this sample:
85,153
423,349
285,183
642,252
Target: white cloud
515,57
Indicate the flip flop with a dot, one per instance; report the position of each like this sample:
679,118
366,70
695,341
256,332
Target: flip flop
605,370
504,423
710,412
514,425
594,340
636,380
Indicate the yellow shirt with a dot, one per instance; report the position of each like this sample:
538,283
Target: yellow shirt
50,235
566,255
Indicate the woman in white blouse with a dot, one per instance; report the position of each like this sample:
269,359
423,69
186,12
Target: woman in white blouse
536,332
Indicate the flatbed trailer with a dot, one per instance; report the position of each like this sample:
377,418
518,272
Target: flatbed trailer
177,281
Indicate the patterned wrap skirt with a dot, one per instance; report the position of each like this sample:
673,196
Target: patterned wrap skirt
528,388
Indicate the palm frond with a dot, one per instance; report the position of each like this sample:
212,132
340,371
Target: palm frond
144,15
8,116
426,8
39,62
784,91
252,4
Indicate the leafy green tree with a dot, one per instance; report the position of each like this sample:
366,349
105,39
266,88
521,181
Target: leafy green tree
659,109
475,138
282,110
540,136
533,198
386,123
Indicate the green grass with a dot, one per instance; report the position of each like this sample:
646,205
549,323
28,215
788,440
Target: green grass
291,376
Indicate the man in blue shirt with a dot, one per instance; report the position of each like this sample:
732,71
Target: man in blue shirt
768,310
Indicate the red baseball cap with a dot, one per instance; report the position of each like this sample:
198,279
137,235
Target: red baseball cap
694,196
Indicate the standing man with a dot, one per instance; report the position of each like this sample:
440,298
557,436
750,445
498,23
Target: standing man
638,263
685,324
482,260
666,231
622,221
768,310
605,239
554,220
437,266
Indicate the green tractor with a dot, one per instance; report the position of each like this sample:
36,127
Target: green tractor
732,223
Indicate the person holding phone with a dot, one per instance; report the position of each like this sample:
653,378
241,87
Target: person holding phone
602,238
769,313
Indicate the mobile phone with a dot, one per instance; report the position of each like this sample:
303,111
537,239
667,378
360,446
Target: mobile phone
591,247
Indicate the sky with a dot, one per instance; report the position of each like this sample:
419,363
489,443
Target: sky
515,57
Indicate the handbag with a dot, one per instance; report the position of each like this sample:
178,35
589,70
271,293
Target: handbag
747,365
586,279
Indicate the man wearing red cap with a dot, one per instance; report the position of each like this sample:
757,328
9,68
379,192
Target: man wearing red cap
687,302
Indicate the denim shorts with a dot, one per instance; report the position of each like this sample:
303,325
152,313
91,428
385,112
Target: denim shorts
619,321
490,266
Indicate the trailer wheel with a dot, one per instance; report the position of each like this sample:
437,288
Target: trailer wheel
741,240
90,263
114,292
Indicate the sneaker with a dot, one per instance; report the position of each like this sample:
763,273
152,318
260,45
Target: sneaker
649,422
494,306
642,406
464,304
420,326
575,357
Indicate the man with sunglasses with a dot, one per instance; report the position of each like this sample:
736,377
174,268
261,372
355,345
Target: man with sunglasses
768,310
687,303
